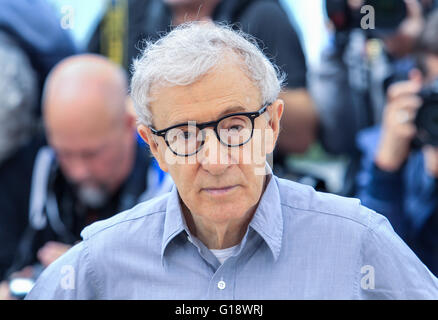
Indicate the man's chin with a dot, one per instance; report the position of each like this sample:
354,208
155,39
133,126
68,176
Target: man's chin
224,211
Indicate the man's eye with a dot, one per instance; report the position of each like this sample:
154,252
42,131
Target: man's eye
235,127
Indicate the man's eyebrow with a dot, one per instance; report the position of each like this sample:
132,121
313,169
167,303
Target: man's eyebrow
230,110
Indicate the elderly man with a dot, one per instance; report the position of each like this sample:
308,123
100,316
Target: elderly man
207,103
150,19
93,169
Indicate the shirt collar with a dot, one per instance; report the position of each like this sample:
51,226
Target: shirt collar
174,222
267,220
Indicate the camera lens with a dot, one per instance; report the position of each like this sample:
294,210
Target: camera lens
426,120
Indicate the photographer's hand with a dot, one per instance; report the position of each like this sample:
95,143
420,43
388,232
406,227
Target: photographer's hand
51,251
431,160
414,21
402,42
5,294
398,128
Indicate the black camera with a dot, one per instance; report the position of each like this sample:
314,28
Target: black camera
426,119
388,14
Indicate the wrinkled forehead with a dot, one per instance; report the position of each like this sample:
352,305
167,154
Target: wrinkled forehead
225,86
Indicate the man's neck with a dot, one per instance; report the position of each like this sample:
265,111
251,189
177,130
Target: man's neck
220,235
193,12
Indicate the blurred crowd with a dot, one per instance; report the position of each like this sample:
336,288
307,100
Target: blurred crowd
70,154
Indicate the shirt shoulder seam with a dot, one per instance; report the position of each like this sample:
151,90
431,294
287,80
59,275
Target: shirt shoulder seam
92,234
327,213
89,267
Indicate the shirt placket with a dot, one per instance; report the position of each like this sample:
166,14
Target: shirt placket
222,284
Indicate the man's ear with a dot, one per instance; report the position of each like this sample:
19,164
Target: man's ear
275,113
148,137
129,114
130,121
130,106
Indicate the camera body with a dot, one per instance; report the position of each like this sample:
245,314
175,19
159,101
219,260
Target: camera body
388,14
426,119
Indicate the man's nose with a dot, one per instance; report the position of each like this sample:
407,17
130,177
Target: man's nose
214,156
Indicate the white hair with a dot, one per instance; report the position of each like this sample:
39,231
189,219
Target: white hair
190,51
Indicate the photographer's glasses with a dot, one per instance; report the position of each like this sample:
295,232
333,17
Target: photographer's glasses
233,130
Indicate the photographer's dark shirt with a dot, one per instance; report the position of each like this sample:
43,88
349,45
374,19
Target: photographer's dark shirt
266,20
425,243
407,197
21,240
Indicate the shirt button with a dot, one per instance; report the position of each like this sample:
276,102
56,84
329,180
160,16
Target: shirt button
221,285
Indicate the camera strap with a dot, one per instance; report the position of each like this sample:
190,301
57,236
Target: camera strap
39,187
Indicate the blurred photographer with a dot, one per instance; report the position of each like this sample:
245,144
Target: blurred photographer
400,162
370,47
92,168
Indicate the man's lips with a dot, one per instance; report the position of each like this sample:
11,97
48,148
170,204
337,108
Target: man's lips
219,191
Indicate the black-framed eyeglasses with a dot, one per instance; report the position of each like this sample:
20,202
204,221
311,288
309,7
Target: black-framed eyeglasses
232,130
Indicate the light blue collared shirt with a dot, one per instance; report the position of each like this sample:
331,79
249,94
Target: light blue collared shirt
300,244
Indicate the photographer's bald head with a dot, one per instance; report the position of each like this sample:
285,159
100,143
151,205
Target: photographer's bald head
89,125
